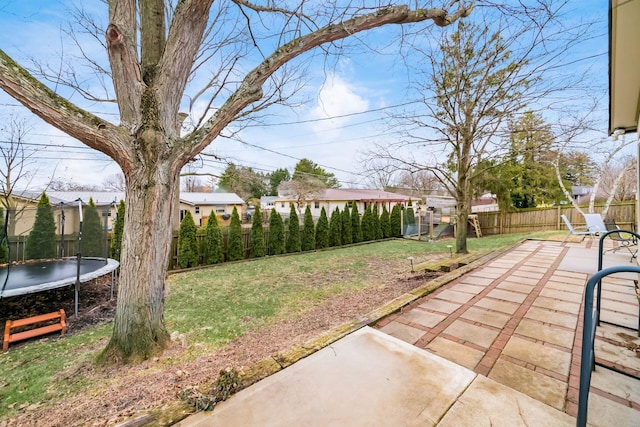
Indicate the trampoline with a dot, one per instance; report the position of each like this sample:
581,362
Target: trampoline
40,276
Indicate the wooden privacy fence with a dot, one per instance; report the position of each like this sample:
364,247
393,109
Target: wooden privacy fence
540,219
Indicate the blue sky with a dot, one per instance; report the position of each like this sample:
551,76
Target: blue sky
342,114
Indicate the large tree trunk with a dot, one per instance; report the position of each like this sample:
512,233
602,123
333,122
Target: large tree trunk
139,329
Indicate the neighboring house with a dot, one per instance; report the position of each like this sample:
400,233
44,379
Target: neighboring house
203,205
485,203
581,193
65,204
332,198
22,212
268,202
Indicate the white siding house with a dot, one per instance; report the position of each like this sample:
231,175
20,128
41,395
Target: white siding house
331,198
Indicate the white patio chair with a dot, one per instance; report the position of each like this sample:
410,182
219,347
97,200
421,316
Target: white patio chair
595,224
576,231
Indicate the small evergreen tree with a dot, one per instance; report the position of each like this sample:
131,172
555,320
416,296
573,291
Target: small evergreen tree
4,253
308,231
214,245
335,228
347,235
356,228
187,243
322,230
293,240
258,248
395,221
235,245
377,228
385,224
92,231
368,230
276,234
118,226
41,242
409,215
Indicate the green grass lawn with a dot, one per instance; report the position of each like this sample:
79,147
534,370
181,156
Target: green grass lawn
212,306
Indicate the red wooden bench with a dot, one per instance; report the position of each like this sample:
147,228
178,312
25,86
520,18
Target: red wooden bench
42,330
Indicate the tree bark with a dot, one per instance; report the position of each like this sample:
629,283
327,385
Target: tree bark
139,330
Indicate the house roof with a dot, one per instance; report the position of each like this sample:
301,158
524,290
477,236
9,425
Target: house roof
349,194
100,198
211,198
624,65
104,198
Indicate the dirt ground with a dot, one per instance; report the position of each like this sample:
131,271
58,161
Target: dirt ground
126,391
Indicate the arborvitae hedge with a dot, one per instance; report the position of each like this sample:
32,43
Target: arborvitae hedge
293,240
308,231
368,226
276,234
356,228
335,228
395,220
187,242
92,232
385,224
214,252
322,230
118,226
347,236
41,243
235,245
376,222
257,246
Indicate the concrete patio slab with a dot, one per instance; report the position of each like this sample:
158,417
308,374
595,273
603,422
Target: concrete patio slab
491,318
455,296
424,318
498,305
620,385
458,353
487,403
440,305
547,333
478,335
516,297
539,355
534,384
607,413
554,304
403,332
365,379
516,286
552,317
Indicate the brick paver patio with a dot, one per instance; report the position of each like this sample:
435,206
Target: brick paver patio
517,320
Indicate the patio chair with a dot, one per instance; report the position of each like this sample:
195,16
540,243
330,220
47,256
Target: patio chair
595,224
575,231
624,240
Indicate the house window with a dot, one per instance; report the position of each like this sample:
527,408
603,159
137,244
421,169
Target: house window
282,205
182,213
219,209
316,204
197,209
350,204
